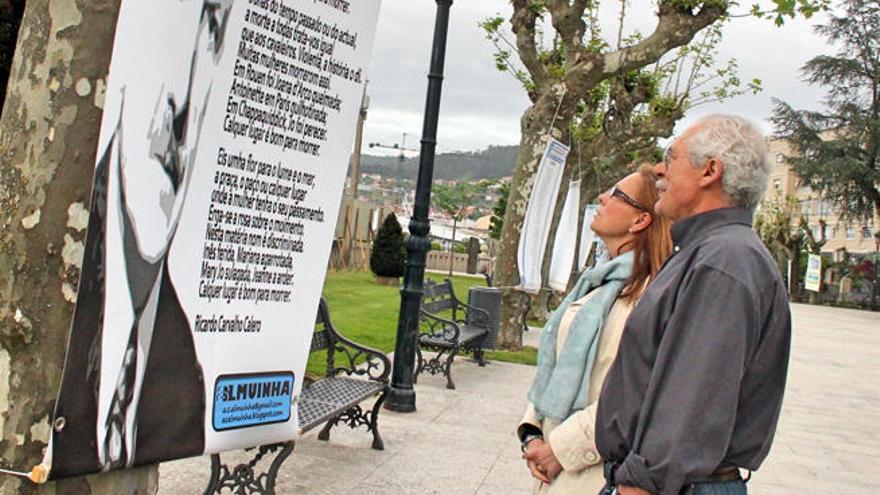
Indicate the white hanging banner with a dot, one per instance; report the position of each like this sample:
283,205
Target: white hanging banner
812,280
539,215
588,237
222,156
566,239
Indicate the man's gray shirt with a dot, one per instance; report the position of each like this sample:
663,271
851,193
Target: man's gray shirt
698,380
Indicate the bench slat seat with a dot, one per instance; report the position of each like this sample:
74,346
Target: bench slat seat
468,334
353,374
465,331
325,398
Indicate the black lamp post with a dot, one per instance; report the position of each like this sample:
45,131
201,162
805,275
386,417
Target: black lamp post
402,397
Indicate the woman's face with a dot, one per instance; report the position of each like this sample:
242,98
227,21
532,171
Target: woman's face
618,212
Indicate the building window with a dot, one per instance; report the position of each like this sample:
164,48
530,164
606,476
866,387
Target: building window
866,232
777,185
850,233
824,207
780,158
805,207
817,232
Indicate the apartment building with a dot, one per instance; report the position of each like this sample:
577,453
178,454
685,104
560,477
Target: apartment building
855,237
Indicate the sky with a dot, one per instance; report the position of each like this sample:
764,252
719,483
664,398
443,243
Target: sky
481,106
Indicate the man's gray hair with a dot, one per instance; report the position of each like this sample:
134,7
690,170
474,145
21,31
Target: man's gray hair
740,146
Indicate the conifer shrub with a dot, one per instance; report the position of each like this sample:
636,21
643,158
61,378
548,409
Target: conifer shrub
389,252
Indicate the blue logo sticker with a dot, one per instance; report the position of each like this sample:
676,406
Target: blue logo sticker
252,399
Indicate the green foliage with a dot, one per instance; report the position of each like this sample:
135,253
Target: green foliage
435,246
389,252
498,211
367,312
837,150
791,9
454,200
504,50
539,7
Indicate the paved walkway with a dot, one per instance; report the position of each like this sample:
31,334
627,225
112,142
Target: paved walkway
462,442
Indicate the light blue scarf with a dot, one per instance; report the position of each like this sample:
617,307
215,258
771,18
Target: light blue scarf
561,384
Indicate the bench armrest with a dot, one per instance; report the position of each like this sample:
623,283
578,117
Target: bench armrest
477,317
358,359
438,327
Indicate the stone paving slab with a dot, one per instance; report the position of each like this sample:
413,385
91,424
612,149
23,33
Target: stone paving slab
462,442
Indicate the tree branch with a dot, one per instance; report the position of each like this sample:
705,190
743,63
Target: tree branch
568,21
676,27
523,24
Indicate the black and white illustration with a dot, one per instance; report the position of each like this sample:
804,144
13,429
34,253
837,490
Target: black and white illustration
199,230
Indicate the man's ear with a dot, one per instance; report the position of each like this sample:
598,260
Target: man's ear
712,173
642,222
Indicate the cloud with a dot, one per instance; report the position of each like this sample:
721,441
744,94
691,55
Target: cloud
482,106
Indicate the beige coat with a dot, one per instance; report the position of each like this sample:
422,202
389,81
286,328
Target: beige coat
573,440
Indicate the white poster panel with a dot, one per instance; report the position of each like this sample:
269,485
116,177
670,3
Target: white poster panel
588,237
812,280
566,238
222,157
539,215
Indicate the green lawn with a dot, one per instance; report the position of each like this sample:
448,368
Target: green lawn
366,312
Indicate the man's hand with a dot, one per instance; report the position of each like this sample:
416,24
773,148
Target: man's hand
631,490
539,452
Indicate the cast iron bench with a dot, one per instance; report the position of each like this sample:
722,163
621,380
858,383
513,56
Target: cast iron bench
353,374
464,332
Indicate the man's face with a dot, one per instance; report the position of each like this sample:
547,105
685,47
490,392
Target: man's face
679,183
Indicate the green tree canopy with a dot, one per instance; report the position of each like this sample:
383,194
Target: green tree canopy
497,220
837,148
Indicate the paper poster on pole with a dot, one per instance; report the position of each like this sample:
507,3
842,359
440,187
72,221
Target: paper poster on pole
539,215
813,278
221,161
566,239
588,237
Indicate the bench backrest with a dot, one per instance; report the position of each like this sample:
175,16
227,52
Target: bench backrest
438,297
322,339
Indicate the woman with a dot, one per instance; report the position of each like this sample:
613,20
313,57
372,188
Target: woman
580,339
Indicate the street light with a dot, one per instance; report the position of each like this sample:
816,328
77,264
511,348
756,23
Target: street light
402,147
402,397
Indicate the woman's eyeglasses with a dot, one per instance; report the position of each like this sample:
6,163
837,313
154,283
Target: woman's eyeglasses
626,198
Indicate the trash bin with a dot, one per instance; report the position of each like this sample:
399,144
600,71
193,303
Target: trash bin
489,299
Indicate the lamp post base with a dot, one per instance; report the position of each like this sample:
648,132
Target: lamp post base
401,400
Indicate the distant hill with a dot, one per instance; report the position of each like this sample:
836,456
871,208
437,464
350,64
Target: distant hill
494,162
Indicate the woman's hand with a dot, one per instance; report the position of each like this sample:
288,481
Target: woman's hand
542,461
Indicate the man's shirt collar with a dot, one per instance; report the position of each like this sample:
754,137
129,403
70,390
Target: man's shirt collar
690,229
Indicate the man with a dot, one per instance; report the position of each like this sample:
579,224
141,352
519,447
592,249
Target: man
132,391
695,392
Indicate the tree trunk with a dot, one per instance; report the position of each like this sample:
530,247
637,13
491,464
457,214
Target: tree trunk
48,139
533,126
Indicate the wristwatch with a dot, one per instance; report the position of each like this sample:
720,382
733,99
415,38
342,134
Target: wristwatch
528,438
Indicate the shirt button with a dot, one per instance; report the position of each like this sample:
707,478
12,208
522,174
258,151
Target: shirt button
592,457
676,248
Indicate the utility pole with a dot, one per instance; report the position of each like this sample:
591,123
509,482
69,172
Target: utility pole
348,229
358,143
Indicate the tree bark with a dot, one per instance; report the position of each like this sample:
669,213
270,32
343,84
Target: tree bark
533,125
555,99
48,139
